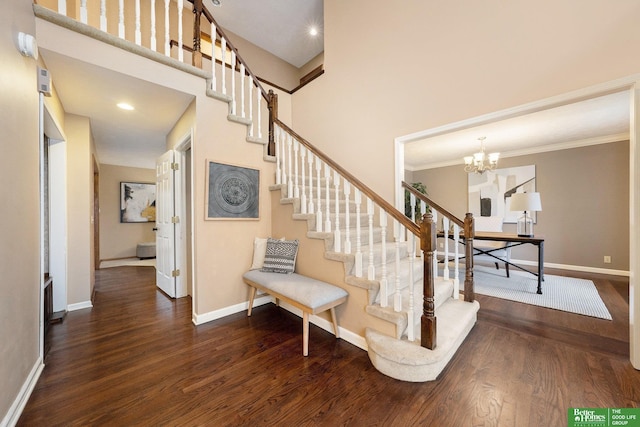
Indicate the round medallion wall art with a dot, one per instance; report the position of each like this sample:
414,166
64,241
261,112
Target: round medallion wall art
233,192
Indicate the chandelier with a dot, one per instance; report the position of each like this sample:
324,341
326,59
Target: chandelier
476,163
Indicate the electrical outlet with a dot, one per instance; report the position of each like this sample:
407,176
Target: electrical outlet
607,259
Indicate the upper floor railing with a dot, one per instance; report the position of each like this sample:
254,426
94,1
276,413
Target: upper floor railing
136,21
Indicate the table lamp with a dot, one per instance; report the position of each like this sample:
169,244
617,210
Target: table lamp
525,202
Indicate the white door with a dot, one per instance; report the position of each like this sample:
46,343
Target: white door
166,228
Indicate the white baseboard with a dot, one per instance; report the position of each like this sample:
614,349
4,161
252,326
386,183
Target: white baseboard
79,306
199,319
345,334
13,415
575,268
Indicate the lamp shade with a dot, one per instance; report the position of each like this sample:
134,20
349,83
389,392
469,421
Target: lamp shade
529,202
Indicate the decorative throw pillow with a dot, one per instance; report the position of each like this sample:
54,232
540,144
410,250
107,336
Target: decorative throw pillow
259,249
280,256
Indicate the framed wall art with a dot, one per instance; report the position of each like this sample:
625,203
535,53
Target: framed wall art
232,192
137,202
490,192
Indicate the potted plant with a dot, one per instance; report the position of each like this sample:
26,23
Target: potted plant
407,200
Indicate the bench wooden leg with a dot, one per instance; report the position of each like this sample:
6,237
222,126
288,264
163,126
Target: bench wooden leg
334,319
252,295
305,333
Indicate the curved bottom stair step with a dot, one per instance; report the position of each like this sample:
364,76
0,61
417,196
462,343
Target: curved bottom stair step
408,361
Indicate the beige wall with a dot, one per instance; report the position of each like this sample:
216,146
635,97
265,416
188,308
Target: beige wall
585,203
309,66
20,211
458,60
119,240
79,209
265,65
223,248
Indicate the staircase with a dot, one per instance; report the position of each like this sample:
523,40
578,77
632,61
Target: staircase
379,258
411,317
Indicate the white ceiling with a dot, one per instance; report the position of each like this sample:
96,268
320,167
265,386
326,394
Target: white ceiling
126,138
278,26
594,121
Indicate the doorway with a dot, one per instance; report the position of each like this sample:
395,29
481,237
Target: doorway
630,85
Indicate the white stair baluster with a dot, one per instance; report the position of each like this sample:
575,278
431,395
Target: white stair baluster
62,7
311,209
233,82
152,43
167,37
290,166
445,227
371,271
103,15
319,187
180,52
223,70
83,11
384,280
456,262
397,297
337,238
138,33
357,199
296,175
423,210
214,83
259,112
278,155
347,220
303,189
327,208
411,321
251,106
283,156
242,79
435,250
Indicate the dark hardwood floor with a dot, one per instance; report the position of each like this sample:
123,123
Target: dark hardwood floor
135,358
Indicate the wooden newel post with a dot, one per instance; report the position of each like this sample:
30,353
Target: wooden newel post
273,114
469,232
428,319
196,59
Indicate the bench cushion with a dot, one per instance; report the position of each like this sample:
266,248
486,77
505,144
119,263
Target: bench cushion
309,292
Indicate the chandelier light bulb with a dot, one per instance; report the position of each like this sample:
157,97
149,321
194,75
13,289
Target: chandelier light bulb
476,163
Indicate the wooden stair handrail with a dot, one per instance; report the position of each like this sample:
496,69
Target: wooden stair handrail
433,204
467,226
220,31
388,207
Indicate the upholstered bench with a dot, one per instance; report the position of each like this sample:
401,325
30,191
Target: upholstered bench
309,295
146,250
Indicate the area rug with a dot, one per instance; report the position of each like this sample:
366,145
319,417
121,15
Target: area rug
128,261
561,293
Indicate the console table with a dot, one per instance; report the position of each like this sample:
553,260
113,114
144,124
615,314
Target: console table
512,240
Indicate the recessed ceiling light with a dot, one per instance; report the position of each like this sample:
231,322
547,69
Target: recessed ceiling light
313,31
216,2
126,106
